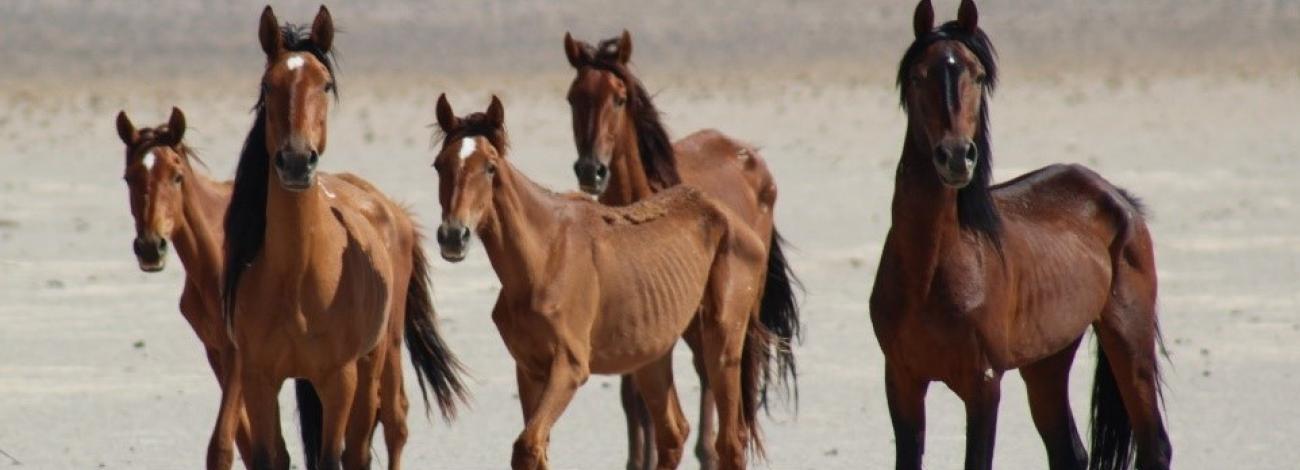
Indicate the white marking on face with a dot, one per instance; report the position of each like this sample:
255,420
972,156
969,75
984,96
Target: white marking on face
149,160
951,60
467,147
294,62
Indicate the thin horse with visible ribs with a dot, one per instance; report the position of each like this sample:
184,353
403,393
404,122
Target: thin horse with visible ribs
325,275
587,288
625,155
975,280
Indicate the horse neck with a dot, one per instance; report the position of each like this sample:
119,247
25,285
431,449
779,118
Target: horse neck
198,242
924,212
526,217
628,181
293,222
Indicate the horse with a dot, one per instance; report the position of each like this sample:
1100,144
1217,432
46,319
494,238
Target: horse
324,275
625,155
978,279
587,288
170,200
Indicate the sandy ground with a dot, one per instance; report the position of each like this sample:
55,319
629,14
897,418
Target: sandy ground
98,369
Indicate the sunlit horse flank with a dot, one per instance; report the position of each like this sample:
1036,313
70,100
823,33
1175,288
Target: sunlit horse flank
975,280
171,201
325,276
587,288
625,155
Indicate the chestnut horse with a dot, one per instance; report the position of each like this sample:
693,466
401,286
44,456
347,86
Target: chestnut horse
172,201
975,280
587,288
624,156
323,273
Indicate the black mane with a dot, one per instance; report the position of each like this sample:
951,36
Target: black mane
652,141
975,208
150,137
475,125
245,222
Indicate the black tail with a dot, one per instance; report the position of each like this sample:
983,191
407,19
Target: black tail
1112,435
754,372
779,313
310,422
435,365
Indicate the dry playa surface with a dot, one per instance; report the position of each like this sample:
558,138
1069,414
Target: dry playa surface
99,370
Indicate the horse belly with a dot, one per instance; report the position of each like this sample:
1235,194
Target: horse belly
645,310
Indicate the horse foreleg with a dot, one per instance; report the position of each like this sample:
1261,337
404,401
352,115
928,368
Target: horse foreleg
640,431
230,414
655,382
906,397
566,374
1048,384
337,392
982,399
722,356
260,399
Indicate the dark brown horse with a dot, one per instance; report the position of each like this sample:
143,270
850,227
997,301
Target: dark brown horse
625,155
976,280
590,289
324,274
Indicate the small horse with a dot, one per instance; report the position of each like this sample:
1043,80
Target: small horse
587,288
172,201
323,273
624,156
977,280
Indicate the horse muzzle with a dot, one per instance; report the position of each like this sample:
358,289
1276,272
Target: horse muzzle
956,162
297,171
593,176
150,252
453,240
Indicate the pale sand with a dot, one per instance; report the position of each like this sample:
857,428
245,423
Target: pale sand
1213,153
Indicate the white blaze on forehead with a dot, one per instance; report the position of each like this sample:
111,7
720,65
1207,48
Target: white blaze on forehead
148,160
294,61
467,147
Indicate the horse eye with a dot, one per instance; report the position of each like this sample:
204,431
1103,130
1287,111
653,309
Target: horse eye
491,170
329,87
176,179
620,100
981,78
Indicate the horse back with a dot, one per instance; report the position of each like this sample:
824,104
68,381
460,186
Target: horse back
731,171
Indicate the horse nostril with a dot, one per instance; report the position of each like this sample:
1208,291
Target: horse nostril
602,172
941,155
280,162
972,153
162,244
313,158
464,235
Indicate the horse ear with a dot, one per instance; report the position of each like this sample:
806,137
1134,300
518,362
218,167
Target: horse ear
125,130
625,48
268,32
322,30
175,127
968,16
447,119
923,19
573,50
497,113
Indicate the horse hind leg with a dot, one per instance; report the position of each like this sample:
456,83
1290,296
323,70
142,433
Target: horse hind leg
655,382
640,430
393,408
1126,392
1048,384
360,420
708,431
